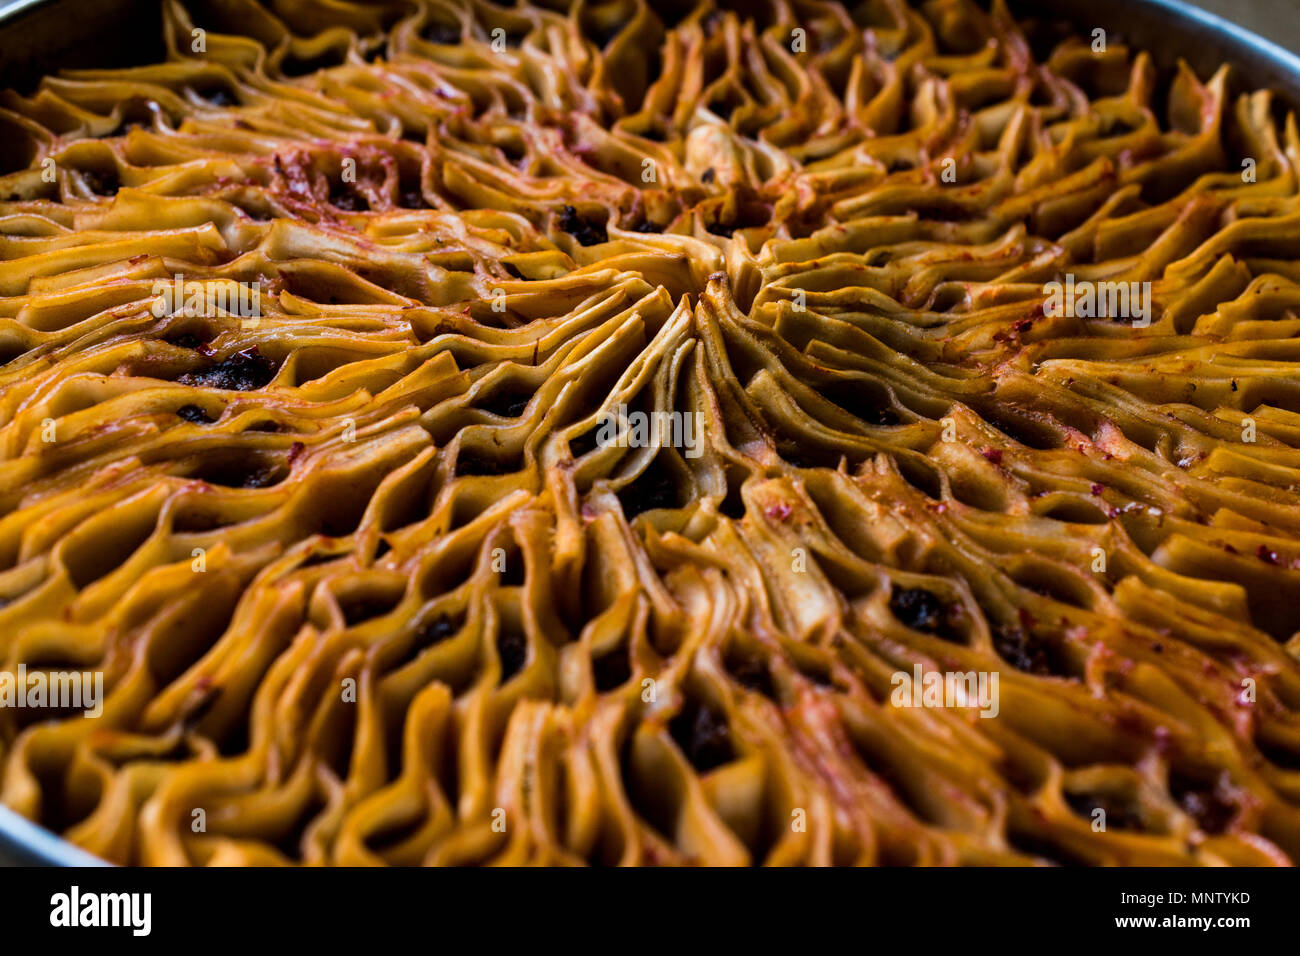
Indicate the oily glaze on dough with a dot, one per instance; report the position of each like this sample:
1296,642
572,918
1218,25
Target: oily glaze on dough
365,588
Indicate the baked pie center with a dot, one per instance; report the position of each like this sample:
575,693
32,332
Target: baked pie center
455,433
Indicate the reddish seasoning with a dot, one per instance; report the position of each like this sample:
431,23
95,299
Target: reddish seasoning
992,454
1164,739
1098,489
295,450
780,511
1265,555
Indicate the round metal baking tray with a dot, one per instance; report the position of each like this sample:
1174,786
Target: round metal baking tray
38,37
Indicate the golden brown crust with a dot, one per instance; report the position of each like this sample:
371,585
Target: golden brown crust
365,583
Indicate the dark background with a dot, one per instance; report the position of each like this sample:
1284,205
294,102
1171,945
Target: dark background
1278,20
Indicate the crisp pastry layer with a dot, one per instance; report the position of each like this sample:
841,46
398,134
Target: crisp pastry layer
365,583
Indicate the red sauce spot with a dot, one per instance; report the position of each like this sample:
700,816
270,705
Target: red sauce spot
1163,738
780,511
992,454
1265,555
1098,489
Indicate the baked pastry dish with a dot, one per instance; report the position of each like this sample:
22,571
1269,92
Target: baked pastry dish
458,433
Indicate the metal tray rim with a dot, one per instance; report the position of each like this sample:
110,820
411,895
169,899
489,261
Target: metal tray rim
1179,9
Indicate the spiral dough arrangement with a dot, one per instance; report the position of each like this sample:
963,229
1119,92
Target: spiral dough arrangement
572,433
